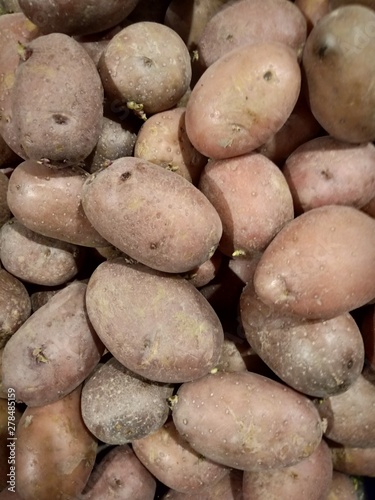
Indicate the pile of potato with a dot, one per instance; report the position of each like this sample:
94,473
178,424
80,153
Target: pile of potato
187,249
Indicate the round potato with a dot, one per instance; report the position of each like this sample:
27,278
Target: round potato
243,99
146,211
246,421
118,406
35,258
246,191
320,264
157,325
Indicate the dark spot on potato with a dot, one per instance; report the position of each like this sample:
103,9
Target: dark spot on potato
125,176
153,246
268,75
147,61
118,482
326,174
350,364
322,50
229,37
60,119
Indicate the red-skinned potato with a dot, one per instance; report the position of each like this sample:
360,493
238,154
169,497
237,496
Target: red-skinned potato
146,212
173,462
55,451
246,191
206,272
247,22
48,201
246,421
119,475
54,350
353,461
301,271
326,171
243,99
343,487
309,479
313,10
156,324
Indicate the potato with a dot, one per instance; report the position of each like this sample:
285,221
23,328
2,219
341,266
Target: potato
118,406
76,17
146,66
206,272
309,479
157,325
326,171
301,271
353,461
15,29
52,124
162,140
246,191
337,63
318,358
120,475
55,350
15,306
4,209
313,10
246,421
47,200
235,356
39,299
350,417
228,488
249,22
242,100
117,139
174,463
342,488
9,6
334,4
146,211
55,451
35,258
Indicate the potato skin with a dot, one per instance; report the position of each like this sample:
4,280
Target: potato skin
157,325
318,358
173,462
76,17
353,461
237,188
55,349
4,209
336,63
326,171
343,487
146,211
309,479
249,22
246,421
242,100
300,272
120,475
119,406
52,123
15,305
35,258
48,201
55,451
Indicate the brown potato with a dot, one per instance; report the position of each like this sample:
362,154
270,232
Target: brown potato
119,406
35,258
249,22
206,272
157,325
55,451
353,461
15,305
343,487
9,6
326,171
243,99
336,61
309,479
4,209
318,358
173,462
246,421
76,17
48,201
350,416
52,124
54,351
146,211
120,475
246,191
162,140
146,67
301,271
